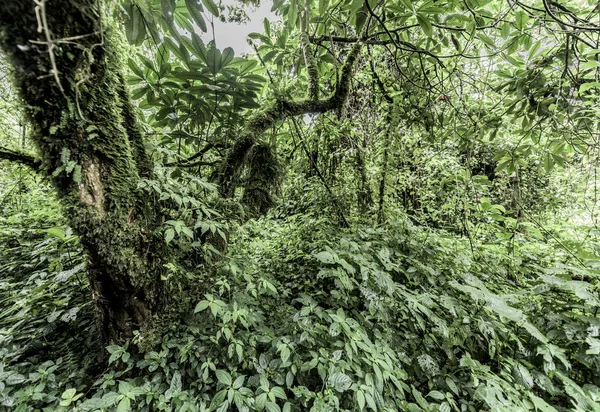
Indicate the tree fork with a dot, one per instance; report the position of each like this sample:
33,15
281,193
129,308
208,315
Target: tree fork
81,116
229,172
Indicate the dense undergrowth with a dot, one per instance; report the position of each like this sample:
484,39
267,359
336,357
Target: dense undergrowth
303,316
408,224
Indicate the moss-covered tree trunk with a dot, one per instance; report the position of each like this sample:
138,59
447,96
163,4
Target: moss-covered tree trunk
66,69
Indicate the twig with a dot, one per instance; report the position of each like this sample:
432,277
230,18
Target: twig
40,14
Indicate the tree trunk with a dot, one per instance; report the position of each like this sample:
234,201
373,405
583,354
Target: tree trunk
365,195
67,72
382,184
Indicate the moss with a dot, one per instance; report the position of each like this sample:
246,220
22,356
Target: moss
311,68
88,119
228,175
262,180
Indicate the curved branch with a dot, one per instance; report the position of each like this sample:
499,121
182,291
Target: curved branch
21,158
199,163
558,20
281,110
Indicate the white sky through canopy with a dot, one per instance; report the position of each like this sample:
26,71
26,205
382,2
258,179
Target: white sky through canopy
235,35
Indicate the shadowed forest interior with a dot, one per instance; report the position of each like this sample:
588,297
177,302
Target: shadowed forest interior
380,205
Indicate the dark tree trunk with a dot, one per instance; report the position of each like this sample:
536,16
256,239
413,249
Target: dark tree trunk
382,184
365,195
68,75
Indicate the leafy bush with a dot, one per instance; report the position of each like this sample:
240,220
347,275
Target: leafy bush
47,326
304,317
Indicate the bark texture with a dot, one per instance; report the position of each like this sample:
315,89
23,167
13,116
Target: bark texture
66,70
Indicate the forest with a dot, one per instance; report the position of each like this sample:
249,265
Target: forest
381,205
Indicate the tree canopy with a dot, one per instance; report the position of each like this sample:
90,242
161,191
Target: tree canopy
385,205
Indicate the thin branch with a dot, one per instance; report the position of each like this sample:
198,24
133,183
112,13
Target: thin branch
574,26
185,162
21,158
323,180
42,20
198,163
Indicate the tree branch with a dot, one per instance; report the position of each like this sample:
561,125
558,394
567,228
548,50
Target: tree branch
186,162
281,110
21,158
558,20
198,163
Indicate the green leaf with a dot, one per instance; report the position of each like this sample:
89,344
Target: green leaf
548,162
15,379
272,407
124,387
226,57
285,354
202,305
213,59
169,235
370,401
587,86
195,9
56,232
135,30
176,384
278,392
260,401
167,8
224,377
522,376
124,405
594,348
340,381
211,7
69,393
135,68
139,93
425,25
360,399
292,14
488,42
198,48
239,381
407,4
436,395
325,257
323,7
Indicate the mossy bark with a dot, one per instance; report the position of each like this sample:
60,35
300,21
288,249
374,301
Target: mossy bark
92,149
365,195
311,68
229,173
264,174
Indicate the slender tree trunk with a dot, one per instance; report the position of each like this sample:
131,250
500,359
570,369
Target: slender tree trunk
365,195
67,73
382,184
